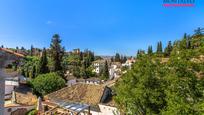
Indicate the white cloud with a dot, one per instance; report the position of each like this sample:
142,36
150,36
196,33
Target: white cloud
49,22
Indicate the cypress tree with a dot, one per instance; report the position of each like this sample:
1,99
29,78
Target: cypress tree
33,72
188,42
117,57
185,36
150,51
124,59
43,68
138,53
31,50
105,73
159,48
168,49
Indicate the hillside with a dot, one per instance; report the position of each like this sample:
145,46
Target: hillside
165,82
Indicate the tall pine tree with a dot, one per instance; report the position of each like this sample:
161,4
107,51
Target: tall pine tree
57,52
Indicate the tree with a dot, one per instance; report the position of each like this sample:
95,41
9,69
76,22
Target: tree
185,36
56,52
47,83
23,72
168,49
27,72
140,53
31,50
188,42
124,59
183,89
140,90
150,51
105,71
43,68
88,57
17,49
159,48
33,75
199,31
112,59
81,56
117,57
153,88
76,71
22,48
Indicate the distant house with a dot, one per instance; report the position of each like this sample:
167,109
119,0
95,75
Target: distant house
71,80
93,80
76,51
129,62
83,99
115,70
98,65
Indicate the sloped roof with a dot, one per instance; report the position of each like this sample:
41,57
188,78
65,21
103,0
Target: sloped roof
24,95
82,93
12,52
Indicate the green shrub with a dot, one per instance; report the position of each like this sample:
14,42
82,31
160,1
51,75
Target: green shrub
47,83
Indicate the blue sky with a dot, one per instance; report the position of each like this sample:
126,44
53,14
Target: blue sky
104,26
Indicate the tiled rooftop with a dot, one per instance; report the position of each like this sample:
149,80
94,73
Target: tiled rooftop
82,93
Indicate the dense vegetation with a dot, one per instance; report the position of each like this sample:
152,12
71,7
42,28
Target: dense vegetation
172,87
47,68
80,64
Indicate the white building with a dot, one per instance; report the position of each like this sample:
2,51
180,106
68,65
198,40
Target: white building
98,65
115,70
10,84
129,62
